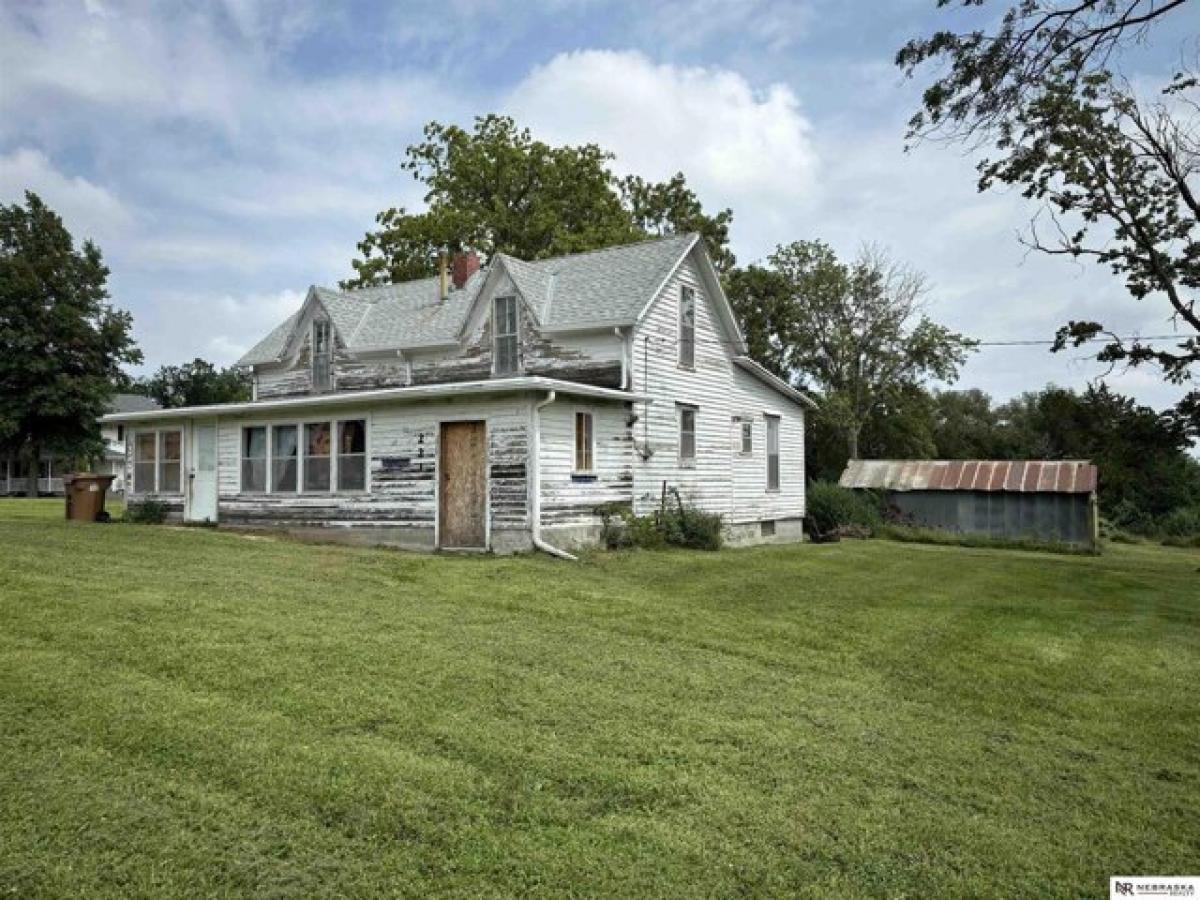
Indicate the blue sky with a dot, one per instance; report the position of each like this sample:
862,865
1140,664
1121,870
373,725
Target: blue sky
225,156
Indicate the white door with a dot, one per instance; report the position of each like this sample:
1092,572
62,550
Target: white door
202,478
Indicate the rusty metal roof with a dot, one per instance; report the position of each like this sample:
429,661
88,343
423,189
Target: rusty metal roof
1022,476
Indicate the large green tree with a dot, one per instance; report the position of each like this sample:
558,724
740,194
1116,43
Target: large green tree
852,332
196,383
62,344
496,189
1116,172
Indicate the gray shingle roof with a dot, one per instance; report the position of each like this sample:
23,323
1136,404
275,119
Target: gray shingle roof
127,403
597,288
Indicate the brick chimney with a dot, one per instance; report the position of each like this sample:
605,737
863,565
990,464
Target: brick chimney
464,266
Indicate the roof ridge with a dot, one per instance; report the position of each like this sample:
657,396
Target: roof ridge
661,239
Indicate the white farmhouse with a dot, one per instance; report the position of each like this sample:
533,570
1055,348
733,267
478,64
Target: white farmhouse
493,408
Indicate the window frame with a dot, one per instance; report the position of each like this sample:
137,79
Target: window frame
327,326
590,445
744,435
514,335
775,429
687,298
159,460
681,412
301,425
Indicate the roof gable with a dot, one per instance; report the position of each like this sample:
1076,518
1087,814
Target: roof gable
596,289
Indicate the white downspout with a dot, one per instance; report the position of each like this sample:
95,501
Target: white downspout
535,481
624,358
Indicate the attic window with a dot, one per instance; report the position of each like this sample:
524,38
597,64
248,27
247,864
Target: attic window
504,327
687,327
321,356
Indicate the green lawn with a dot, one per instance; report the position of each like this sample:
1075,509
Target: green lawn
193,712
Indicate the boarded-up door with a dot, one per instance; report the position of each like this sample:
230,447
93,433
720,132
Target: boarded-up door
462,487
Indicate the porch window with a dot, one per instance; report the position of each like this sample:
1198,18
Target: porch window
583,443
145,458
254,459
772,453
687,435
157,462
170,462
318,441
352,455
321,356
504,325
687,327
284,452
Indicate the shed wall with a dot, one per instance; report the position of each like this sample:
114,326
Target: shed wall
1058,517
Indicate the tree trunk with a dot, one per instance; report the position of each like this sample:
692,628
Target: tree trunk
852,440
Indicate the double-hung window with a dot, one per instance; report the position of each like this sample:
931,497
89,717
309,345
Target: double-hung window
687,327
322,356
505,340
308,457
584,446
158,462
687,435
772,453
743,435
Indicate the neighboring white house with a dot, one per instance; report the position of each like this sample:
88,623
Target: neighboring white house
51,468
496,412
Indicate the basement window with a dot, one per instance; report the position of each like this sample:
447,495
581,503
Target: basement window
768,528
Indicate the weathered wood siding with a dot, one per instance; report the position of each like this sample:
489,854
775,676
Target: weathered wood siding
751,500
587,357
571,498
402,448
719,481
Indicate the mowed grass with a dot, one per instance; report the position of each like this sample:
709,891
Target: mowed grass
189,712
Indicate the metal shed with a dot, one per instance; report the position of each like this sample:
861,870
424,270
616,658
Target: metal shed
1049,500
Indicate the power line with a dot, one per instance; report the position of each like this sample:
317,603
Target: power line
673,342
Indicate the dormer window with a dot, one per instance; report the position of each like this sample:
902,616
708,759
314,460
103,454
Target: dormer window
322,363
505,331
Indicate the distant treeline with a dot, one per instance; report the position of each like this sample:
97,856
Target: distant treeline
1148,479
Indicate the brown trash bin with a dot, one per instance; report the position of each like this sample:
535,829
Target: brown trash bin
85,495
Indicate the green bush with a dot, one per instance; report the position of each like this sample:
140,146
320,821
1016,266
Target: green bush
146,512
674,525
841,510
1181,523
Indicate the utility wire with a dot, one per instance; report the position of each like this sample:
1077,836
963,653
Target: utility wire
668,342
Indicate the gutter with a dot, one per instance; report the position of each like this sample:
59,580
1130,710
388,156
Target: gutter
535,480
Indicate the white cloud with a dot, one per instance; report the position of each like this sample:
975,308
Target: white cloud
738,145
88,210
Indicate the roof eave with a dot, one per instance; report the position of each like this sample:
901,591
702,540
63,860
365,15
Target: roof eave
772,380
413,392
